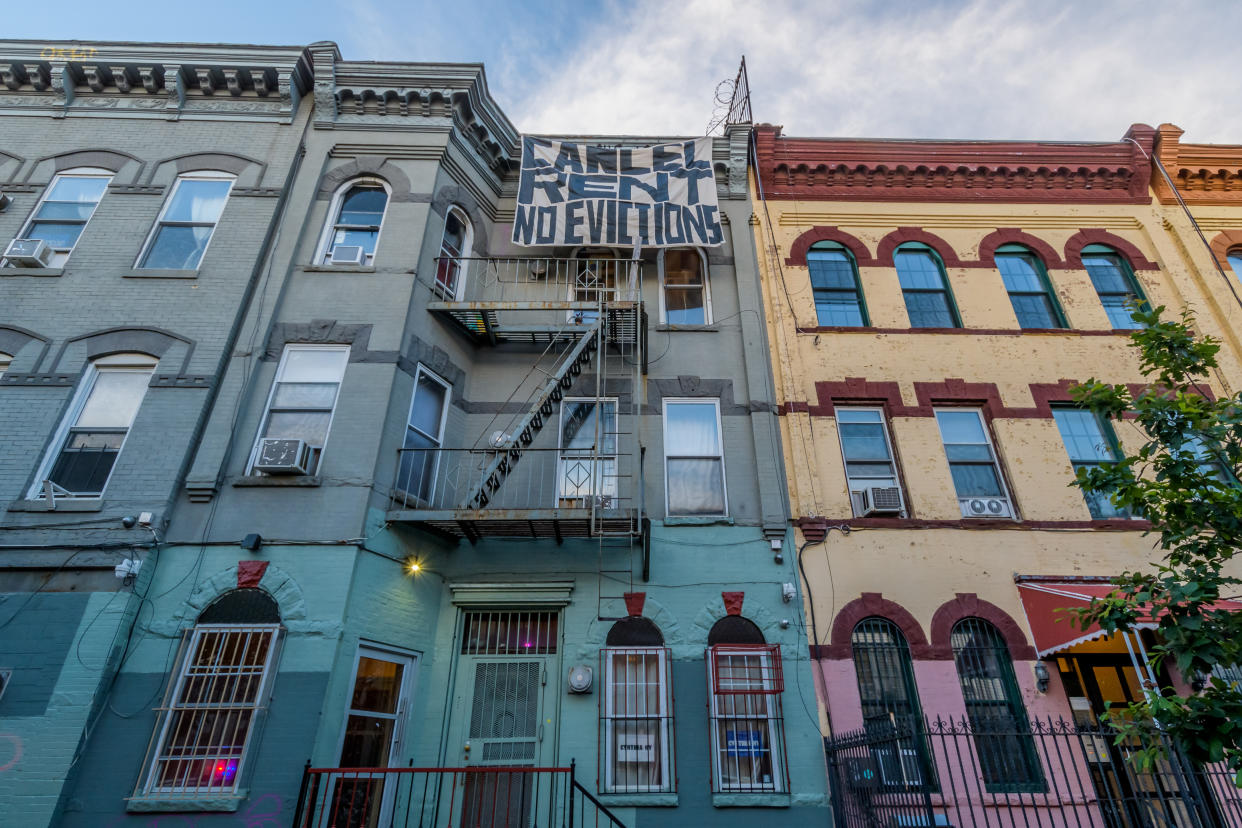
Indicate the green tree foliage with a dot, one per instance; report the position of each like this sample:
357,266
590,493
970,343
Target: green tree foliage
1184,480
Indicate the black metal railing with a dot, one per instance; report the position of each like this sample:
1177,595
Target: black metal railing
471,797
1020,773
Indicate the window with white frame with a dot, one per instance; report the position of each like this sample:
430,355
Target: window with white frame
637,712
355,218
302,401
64,210
745,684
90,437
424,435
454,247
694,475
213,705
684,295
870,470
187,222
587,460
981,491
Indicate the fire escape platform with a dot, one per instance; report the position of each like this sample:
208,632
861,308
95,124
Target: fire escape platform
488,321
554,524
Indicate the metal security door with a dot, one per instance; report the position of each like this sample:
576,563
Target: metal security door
502,716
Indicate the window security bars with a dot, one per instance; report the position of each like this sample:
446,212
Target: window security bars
210,714
1086,780
636,717
509,633
747,724
994,707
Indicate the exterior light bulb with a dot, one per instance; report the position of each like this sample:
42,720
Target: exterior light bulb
413,567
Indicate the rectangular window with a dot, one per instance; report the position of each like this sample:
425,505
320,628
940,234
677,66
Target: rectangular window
637,721
838,294
925,289
972,462
91,436
1090,444
685,299
211,711
303,399
1029,291
586,471
63,211
694,479
745,683
868,459
1211,464
186,223
1116,287
424,435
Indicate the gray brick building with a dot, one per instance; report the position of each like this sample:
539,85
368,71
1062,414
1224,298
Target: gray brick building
450,503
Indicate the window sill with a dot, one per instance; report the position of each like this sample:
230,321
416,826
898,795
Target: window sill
329,268
638,800
750,800
689,328
697,520
32,271
155,804
160,273
70,504
294,481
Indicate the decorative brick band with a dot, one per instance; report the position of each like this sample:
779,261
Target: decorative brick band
1009,235
1225,241
902,235
800,246
1076,242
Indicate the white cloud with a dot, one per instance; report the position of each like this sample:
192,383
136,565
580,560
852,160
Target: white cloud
975,69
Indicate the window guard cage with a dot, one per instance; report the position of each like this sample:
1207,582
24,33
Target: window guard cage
746,724
226,767
730,678
637,744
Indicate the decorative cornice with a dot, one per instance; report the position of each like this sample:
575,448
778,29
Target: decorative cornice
881,170
164,80
1202,173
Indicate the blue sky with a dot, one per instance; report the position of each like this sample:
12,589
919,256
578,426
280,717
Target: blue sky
1044,69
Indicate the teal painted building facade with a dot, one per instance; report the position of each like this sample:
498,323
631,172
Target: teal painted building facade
432,494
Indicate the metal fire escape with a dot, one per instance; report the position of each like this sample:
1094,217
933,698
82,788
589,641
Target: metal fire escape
562,459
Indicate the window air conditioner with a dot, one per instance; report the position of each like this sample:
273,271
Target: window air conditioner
348,254
881,500
280,456
28,253
985,507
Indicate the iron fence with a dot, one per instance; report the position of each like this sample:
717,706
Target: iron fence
473,797
1008,772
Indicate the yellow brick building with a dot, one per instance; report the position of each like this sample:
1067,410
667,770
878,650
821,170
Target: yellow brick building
929,305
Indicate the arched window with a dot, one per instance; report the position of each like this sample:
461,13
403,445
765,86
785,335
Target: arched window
746,680
636,745
994,706
925,287
836,286
1030,291
64,210
1114,283
890,702
216,698
94,429
1234,257
684,295
357,214
455,244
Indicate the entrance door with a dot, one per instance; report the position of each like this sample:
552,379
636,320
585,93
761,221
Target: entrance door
375,718
503,716
1160,798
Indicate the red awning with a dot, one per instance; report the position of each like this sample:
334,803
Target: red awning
1055,630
